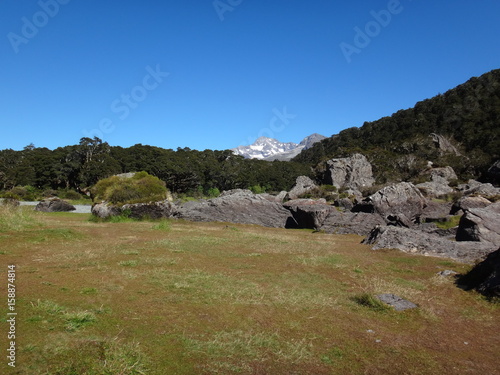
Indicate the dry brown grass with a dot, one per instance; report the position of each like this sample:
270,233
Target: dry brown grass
210,298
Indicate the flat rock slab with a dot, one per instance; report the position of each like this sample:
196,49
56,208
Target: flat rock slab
398,303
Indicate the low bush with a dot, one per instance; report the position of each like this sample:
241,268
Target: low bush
141,188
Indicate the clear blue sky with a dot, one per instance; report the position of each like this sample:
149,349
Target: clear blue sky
231,69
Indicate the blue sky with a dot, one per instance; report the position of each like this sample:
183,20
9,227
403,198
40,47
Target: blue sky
211,74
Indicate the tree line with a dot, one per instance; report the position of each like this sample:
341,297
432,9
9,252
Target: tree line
78,167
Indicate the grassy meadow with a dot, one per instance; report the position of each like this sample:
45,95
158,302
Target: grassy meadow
176,297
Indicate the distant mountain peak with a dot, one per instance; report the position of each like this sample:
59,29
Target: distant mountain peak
265,148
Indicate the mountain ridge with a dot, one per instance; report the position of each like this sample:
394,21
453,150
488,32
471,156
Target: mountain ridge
265,148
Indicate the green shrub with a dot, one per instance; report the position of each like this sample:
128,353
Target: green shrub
71,195
213,192
24,193
141,188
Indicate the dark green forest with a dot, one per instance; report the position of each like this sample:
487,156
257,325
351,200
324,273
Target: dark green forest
399,146
79,167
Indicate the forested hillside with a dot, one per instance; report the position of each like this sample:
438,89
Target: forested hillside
399,146
81,166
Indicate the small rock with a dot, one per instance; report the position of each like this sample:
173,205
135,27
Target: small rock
398,303
54,205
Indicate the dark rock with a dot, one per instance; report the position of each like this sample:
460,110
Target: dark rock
54,205
398,303
466,203
345,203
308,213
485,276
153,210
350,223
303,185
237,206
403,200
354,172
494,173
481,224
418,242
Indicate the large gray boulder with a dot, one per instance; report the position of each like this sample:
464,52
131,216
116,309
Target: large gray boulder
435,188
402,203
308,213
481,224
354,172
440,179
417,242
303,185
54,205
105,210
485,276
236,206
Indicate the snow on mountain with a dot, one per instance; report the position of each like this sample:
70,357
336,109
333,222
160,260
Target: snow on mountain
271,149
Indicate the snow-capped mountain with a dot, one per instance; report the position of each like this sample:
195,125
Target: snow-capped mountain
271,149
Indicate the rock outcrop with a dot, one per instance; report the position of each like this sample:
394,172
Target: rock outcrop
481,224
444,145
236,206
54,205
402,203
439,183
105,210
303,185
154,210
354,172
418,242
359,223
478,188
308,213
467,203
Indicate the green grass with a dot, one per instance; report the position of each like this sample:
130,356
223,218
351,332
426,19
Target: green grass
201,298
16,219
452,222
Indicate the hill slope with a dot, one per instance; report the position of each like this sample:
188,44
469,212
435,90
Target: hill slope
400,145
